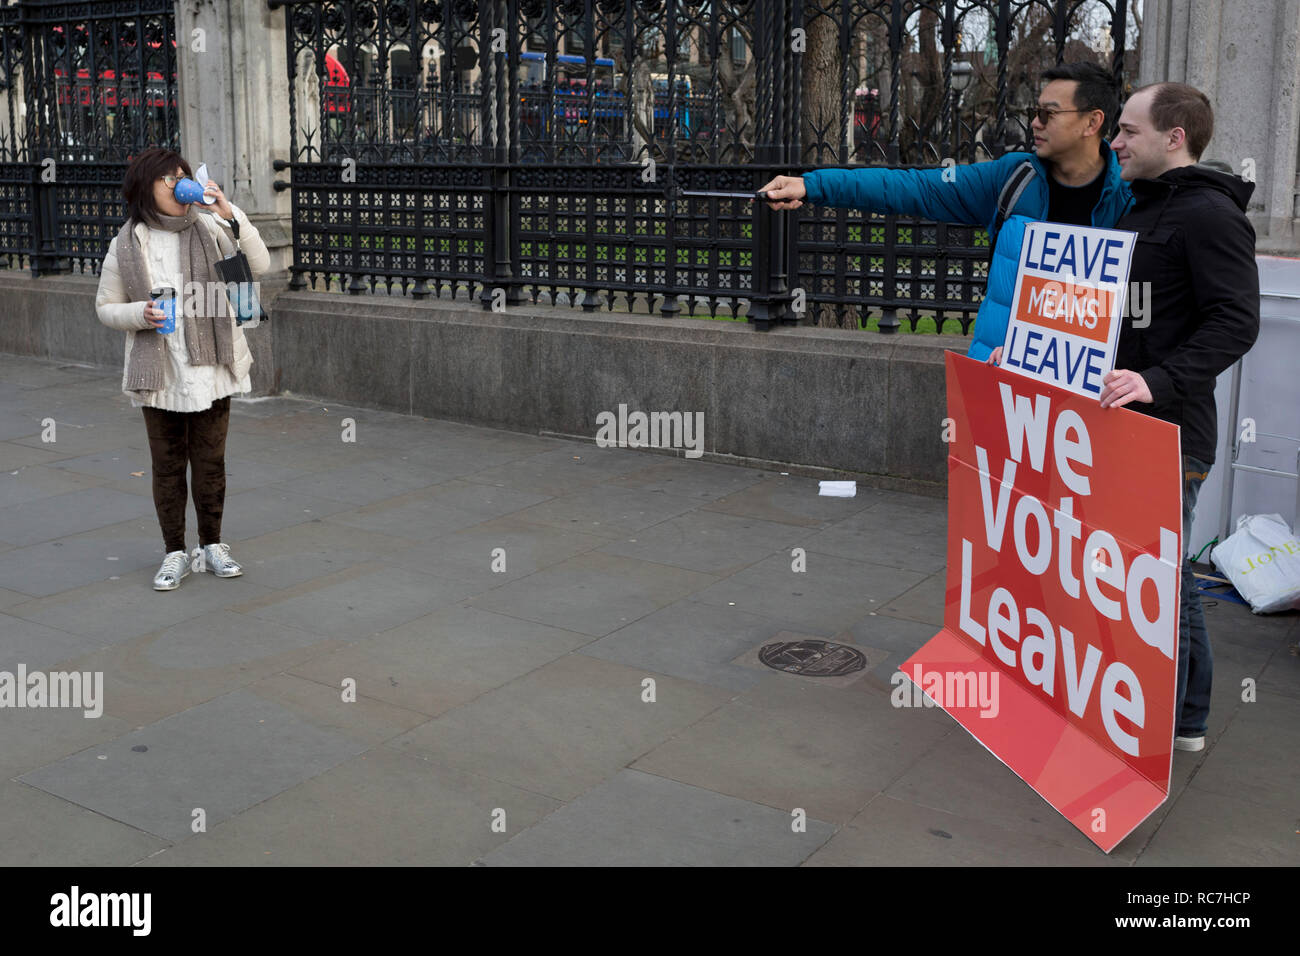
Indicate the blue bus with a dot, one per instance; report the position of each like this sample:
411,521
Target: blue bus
568,67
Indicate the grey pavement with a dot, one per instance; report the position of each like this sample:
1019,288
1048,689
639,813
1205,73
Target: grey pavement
460,646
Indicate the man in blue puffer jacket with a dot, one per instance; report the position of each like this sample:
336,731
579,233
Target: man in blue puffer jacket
1075,179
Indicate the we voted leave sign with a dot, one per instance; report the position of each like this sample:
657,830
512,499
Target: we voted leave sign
1062,593
1068,304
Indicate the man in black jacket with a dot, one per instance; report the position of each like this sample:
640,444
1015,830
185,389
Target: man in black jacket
1196,249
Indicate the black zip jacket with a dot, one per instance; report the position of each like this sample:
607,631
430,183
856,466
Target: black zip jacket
1196,248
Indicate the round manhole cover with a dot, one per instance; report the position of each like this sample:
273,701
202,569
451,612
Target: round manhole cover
812,658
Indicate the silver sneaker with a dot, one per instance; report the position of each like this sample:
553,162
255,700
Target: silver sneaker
175,567
216,558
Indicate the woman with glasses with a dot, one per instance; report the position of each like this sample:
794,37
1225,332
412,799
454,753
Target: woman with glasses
181,379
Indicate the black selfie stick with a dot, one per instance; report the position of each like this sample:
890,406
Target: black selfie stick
761,194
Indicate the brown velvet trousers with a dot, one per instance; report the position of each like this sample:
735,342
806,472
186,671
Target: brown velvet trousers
199,440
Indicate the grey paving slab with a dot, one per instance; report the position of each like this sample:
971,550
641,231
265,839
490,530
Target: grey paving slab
563,470
74,438
638,819
562,728
446,445
1229,623
690,640
378,809
53,567
222,756
303,552
366,720
706,541
365,482
37,829
245,473
35,373
100,393
485,501
362,604
58,516
19,425
252,513
36,646
1231,664
521,690
787,743
241,443
419,516
593,593
923,603
175,668
831,594
114,611
465,458
903,502
607,510
888,534
689,478
1255,757
299,424
959,776
222,639
1206,829
900,637
115,463
470,555
267,406
1279,676
14,456
8,597
892,832
792,500
287,448
31,738
443,659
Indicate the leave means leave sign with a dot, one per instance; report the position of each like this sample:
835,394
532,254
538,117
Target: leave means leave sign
1068,304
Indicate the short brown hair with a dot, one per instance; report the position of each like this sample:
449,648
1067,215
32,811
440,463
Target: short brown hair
1180,105
141,174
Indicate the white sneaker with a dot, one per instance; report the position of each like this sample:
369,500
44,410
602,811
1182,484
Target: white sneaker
216,558
1189,743
175,567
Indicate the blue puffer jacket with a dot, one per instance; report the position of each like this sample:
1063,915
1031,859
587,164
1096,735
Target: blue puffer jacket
970,199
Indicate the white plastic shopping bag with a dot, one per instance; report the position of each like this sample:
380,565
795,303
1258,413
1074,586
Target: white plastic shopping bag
1262,560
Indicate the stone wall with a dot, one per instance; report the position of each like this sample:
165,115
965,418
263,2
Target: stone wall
1245,56
806,400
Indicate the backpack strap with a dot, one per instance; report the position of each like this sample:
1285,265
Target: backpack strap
1012,190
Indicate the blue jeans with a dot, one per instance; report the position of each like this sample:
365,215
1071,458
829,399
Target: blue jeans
1195,662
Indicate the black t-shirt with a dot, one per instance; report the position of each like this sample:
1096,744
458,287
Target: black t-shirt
1073,205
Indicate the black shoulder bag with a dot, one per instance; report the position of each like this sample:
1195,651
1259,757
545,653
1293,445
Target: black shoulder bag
240,287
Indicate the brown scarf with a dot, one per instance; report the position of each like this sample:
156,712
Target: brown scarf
208,338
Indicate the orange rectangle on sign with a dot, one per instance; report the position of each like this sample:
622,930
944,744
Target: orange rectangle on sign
1080,310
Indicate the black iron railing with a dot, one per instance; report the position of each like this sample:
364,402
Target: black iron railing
535,150
84,85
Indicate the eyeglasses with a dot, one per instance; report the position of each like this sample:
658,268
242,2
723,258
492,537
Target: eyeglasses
1045,115
171,181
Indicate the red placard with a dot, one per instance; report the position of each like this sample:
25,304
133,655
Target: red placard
1059,646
